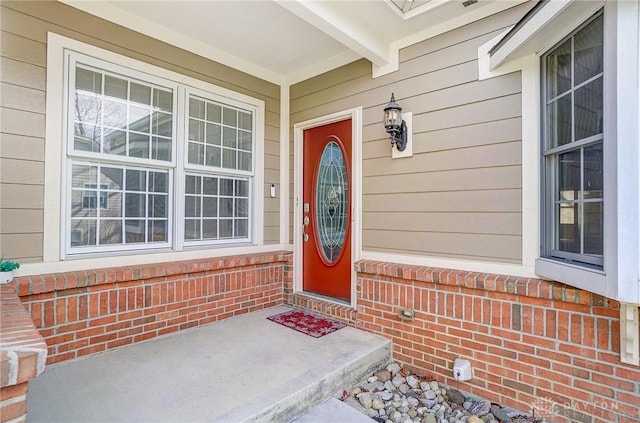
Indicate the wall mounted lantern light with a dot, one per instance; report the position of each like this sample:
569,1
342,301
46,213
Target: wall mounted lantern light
395,126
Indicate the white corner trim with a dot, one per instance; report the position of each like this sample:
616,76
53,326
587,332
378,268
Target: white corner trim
284,163
530,159
484,60
629,335
53,219
408,151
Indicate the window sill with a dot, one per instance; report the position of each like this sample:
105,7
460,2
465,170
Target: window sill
589,279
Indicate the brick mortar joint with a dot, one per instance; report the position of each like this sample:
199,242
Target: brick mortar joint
125,274
514,285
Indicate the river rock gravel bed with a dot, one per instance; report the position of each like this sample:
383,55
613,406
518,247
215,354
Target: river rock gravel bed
396,395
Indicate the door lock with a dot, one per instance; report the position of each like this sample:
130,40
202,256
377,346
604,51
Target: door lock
306,237
305,221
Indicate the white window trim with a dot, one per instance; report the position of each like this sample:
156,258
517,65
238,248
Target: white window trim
55,149
621,276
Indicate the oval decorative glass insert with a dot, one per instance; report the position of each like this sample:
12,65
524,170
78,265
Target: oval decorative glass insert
332,202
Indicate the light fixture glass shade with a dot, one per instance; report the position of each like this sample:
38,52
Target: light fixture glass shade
392,115
392,118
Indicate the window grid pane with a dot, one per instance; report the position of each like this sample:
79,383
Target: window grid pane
117,205
216,208
220,136
118,116
573,143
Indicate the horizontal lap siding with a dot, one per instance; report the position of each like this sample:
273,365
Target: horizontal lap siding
459,196
23,86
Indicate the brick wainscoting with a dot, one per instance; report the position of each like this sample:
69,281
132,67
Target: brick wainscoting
532,343
86,312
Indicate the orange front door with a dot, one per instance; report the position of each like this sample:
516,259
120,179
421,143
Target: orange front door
327,210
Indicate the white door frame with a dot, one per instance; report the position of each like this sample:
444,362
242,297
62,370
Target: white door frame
355,115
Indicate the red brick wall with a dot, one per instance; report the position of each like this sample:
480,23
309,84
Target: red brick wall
85,312
22,355
14,403
529,341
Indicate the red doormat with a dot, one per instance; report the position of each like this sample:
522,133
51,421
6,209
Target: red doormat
306,323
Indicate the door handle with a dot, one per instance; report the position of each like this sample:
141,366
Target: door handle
306,237
305,221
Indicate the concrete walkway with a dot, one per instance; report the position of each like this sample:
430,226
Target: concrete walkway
245,368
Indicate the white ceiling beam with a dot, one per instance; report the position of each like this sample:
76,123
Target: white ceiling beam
354,35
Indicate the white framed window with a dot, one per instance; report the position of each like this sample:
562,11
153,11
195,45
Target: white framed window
154,164
219,166
572,151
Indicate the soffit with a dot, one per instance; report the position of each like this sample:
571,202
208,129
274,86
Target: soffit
287,41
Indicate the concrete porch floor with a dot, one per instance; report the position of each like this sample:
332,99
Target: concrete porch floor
245,368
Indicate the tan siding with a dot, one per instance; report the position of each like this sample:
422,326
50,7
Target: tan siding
332,78
22,247
507,177
21,221
472,223
271,235
493,155
23,74
459,196
499,248
506,200
23,65
451,138
18,122
23,49
15,196
21,147
21,172
22,98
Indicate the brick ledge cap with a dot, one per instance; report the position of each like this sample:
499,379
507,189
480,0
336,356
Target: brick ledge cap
23,351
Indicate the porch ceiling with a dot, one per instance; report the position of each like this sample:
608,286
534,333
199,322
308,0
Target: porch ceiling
287,41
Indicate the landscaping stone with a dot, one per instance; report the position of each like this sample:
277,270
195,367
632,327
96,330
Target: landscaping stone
480,408
396,395
383,375
500,415
455,396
